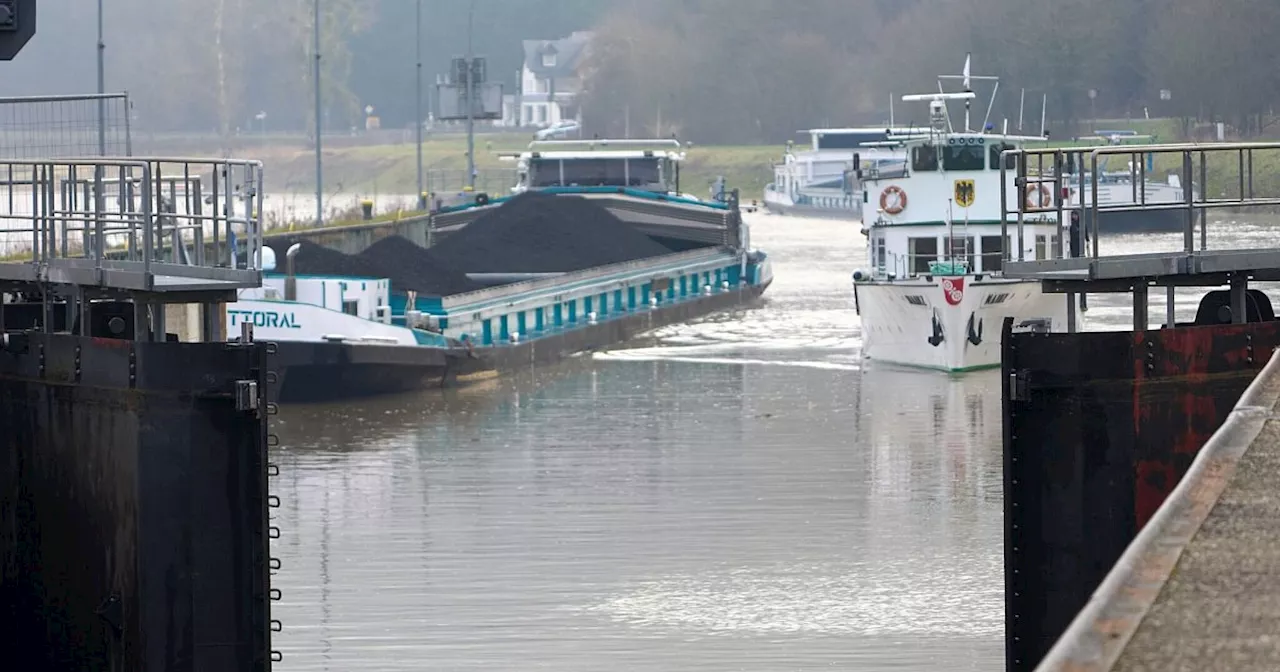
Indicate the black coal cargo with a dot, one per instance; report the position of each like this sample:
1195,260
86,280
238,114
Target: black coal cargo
412,267
406,265
542,233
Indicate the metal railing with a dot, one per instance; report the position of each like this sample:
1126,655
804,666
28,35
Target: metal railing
1054,166
173,216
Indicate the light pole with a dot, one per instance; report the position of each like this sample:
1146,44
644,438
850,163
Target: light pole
471,101
102,87
417,116
319,163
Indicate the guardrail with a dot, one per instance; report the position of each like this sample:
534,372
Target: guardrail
121,222
1063,160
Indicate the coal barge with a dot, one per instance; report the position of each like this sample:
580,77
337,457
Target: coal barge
594,247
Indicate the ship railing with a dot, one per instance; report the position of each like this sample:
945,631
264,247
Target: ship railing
148,224
660,144
1234,169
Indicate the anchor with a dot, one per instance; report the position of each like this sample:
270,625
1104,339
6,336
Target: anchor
975,337
937,338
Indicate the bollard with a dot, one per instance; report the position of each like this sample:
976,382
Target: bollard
366,209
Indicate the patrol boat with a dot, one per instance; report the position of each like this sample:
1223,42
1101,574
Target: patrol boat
933,295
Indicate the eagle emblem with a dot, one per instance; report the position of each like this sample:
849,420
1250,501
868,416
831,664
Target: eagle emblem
964,193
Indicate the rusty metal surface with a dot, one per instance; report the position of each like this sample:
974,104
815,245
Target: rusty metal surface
132,506
1103,427
1188,589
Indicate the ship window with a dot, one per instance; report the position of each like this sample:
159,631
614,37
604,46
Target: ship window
993,253
1045,246
924,157
641,172
880,254
1010,162
351,306
922,252
963,157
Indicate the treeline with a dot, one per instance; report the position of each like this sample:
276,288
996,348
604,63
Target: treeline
743,71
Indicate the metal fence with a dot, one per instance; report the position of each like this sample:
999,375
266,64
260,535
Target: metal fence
41,127
492,181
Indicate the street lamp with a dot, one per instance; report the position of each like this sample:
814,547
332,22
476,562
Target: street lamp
417,115
319,164
471,101
102,88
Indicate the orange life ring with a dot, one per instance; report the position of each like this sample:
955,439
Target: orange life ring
893,190
1045,199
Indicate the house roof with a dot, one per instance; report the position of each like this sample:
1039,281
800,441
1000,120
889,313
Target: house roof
569,54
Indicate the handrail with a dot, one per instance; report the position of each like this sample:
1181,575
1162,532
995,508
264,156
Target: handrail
1195,206
1098,635
606,142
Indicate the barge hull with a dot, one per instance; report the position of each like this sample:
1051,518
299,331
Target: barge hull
1098,430
133,505
324,372
616,331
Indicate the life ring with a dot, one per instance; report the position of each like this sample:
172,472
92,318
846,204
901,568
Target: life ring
1045,198
893,190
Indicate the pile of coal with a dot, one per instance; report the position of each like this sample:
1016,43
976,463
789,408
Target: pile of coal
410,266
543,233
406,265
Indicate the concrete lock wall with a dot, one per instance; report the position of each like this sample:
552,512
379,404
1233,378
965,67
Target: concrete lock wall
133,506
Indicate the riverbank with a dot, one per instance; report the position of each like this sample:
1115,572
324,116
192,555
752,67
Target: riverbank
388,164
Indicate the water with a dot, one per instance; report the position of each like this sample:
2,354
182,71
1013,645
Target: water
738,494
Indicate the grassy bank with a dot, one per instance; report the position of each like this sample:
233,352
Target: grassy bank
391,169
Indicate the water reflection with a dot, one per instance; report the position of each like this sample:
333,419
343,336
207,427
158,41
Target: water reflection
652,514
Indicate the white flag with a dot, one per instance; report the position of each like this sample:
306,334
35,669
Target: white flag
966,71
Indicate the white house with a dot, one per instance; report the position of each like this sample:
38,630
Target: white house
550,82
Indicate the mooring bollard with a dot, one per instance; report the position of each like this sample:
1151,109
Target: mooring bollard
366,209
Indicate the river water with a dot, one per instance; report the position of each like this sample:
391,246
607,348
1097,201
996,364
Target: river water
738,494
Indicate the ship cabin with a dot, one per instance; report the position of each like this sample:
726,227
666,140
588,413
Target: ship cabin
944,211
641,165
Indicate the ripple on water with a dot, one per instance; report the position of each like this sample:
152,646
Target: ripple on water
935,596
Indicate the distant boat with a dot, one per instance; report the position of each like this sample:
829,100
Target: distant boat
1131,185
823,181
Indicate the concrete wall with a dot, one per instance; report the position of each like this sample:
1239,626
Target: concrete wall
351,239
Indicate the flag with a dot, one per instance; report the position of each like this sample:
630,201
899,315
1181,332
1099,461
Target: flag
966,71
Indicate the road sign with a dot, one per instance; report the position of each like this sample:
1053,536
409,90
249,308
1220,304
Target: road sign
1166,94
1093,93
17,26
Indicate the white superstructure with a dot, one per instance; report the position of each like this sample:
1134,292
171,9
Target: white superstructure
932,294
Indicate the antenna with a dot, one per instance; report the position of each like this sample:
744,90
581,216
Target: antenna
890,109
967,77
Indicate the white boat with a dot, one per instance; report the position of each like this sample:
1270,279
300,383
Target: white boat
823,181
933,295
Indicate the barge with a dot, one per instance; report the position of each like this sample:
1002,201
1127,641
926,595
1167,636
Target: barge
593,247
